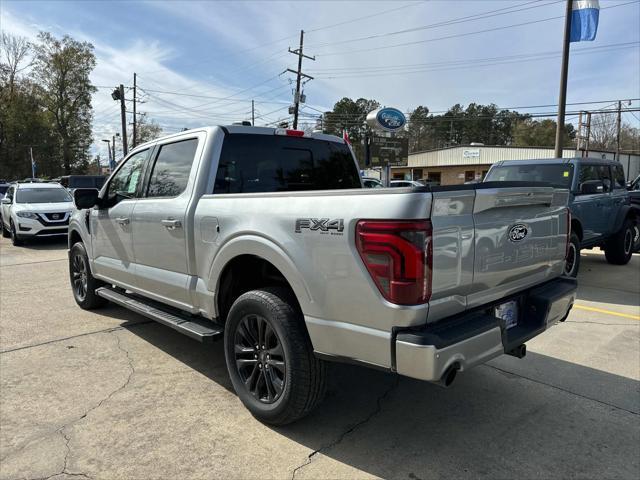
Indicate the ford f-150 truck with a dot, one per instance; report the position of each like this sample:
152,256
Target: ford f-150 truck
266,239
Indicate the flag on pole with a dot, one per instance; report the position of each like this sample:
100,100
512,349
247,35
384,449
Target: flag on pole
345,136
33,163
584,20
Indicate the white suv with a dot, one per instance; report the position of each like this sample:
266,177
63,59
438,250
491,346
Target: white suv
35,210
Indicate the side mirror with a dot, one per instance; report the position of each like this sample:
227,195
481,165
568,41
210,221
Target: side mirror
6,201
85,198
591,187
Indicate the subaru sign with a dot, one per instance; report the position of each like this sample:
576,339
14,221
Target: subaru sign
387,119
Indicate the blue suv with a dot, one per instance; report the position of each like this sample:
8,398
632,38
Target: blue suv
601,211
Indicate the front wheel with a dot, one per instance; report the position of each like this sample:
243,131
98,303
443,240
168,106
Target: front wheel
572,261
618,249
83,283
16,240
270,358
5,230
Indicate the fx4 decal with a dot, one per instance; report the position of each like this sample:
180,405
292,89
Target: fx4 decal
323,225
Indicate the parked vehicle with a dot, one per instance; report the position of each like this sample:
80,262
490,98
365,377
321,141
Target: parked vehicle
266,238
368,182
35,210
634,194
601,212
405,183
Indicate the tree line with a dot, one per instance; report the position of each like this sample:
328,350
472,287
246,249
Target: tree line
486,124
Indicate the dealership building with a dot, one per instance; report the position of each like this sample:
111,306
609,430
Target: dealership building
460,164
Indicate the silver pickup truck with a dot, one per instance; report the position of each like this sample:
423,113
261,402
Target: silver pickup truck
265,238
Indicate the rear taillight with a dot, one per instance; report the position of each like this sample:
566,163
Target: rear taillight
566,253
398,256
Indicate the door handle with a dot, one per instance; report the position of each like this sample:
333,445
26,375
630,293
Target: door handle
122,220
171,224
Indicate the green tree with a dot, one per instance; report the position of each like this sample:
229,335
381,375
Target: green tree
350,115
419,129
61,70
541,133
147,131
24,126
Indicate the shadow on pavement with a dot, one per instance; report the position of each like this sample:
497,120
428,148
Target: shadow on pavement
46,243
539,416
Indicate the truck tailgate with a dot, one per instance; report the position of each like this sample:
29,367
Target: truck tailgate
520,236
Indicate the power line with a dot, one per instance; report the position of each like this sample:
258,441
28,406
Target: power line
477,63
458,35
454,21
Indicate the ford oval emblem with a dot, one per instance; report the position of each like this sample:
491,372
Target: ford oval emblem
518,232
390,119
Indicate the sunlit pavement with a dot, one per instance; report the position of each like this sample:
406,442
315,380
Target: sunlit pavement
108,395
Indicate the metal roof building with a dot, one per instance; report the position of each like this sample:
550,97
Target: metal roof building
463,163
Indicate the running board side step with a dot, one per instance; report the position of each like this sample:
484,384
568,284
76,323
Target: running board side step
200,329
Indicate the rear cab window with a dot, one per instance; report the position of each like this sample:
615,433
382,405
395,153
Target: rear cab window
252,163
619,182
556,174
171,170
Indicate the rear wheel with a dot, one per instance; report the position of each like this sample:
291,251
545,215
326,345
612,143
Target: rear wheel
270,358
572,261
83,284
618,249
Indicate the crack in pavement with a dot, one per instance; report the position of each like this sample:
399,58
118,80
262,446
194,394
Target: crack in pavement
67,437
57,340
562,389
630,324
349,430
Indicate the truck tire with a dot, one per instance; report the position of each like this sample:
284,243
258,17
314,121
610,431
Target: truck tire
16,240
572,262
83,284
618,249
270,358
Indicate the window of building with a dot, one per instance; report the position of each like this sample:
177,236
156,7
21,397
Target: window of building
172,168
417,174
469,175
435,177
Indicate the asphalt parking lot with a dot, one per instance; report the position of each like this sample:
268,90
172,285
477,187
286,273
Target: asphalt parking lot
109,395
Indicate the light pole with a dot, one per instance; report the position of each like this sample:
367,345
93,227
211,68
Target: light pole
109,151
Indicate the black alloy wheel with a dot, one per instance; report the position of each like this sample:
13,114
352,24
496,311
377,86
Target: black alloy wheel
260,358
79,279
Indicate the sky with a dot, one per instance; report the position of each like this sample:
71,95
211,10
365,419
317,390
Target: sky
202,62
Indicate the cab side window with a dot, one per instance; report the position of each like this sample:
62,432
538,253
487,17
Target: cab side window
171,171
604,174
619,183
124,184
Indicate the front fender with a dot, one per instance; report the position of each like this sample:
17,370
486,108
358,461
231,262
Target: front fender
267,250
78,226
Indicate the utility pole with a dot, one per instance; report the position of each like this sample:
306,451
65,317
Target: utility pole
618,122
562,96
299,75
579,139
134,140
588,134
123,116
253,114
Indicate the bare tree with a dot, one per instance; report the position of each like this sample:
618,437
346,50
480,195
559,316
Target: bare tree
14,51
603,131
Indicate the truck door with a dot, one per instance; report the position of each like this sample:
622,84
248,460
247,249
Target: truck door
160,230
111,226
619,195
592,207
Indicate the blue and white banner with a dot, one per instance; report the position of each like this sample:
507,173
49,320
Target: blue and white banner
584,20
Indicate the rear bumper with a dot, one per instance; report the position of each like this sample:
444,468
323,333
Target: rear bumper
464,341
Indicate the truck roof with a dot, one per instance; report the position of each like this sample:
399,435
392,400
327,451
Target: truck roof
551,161
245,129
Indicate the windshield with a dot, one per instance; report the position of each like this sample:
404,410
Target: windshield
42,195
556,174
